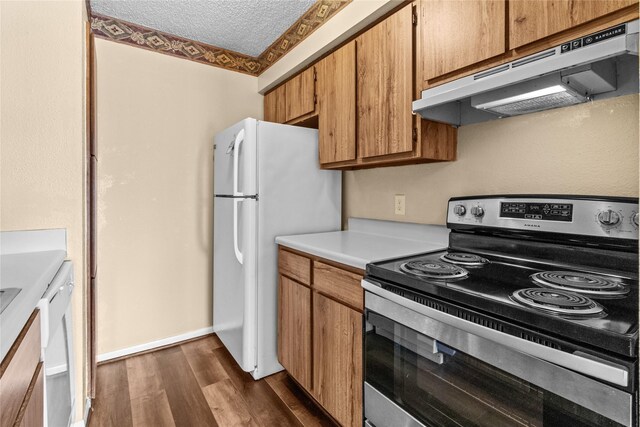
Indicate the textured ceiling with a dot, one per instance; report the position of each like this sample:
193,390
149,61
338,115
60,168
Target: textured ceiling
245,26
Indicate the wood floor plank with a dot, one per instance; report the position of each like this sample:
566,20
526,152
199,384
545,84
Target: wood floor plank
187,403
112,405
266,407
149,403
144,375
304,409
152,410
227,404
205,366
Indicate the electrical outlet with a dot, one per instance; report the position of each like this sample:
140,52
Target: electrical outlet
399,204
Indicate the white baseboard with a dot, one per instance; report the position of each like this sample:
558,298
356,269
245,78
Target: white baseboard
154,344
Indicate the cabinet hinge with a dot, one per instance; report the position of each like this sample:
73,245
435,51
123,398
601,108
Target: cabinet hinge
414,135
414,15
315,99
315,75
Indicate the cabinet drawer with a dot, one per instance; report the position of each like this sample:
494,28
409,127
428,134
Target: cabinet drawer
340,284
17,368
295,266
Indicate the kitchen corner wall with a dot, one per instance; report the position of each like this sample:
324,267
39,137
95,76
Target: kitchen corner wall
587,149
156,119
42,140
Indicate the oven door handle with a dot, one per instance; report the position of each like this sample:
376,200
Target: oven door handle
602,370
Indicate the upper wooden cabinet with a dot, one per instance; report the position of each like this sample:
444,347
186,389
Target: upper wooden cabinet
455,34
461,37
336,86
385,86
293,101
274,105
300,95
532,20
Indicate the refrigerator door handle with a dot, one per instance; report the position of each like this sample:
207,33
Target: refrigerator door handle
236,202
236,155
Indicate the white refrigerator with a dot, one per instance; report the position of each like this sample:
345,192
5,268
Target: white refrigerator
267,182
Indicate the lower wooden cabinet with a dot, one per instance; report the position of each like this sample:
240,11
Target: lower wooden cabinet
294,330
21,384
320,333
337,359
32,412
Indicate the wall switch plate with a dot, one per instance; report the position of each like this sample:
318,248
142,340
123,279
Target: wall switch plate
399,204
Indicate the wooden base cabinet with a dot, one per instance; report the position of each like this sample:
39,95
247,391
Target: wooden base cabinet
21,383
294,330
320,332
337,363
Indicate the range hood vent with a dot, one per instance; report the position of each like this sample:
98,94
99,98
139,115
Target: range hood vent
603,65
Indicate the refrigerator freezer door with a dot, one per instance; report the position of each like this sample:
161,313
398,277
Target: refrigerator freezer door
296,197
232,146
234,283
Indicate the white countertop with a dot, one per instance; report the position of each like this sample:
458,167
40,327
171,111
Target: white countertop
369,240
31,272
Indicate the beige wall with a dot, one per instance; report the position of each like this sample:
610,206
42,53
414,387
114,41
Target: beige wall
156,118
42,134
586,149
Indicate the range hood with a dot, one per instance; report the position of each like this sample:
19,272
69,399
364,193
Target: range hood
597,66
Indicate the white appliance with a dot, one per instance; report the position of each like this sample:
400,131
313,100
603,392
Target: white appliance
57,348
267,182
597,66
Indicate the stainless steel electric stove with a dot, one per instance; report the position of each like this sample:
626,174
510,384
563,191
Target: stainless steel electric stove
530,317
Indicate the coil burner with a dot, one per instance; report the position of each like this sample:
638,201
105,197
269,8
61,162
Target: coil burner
558,302
588,284
461,258
434,270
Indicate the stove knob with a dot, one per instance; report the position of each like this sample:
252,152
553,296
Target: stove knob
477,211
609,218
634,219
459,210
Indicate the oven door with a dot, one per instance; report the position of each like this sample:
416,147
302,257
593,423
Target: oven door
420,371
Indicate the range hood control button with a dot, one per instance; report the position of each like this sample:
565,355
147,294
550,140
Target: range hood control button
634,219
477,211
609,218
459,210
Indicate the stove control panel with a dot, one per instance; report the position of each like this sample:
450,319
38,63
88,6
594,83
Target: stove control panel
600,217
537,211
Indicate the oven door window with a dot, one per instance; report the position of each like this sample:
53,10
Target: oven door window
441,386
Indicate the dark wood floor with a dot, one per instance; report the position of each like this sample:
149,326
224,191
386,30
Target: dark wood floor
197,384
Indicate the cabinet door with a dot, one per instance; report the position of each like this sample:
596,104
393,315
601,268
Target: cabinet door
270,105
294,330
300,95
456,34
274,105
385,86
532,20
337,366
33,415
337,105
